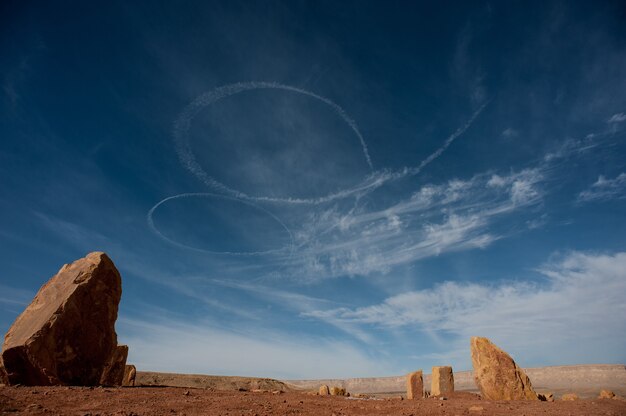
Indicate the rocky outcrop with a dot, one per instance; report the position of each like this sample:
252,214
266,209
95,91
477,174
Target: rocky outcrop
497,375
130,373
67,333
113,374
569,397
442,381
324,390
414,385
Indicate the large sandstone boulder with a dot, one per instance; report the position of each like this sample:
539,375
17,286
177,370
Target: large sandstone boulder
442,381
497,375
67,333
324,390
414,385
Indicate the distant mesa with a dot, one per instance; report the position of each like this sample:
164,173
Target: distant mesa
497,375
66,336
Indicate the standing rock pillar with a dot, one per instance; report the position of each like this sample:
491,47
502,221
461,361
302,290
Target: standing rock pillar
442,381
414,385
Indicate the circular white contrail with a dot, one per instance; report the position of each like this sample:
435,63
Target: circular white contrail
373,181
153,227
188,159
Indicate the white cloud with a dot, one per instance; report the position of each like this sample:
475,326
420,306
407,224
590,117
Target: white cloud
510,133
617,118
573,315
456,215
177,346
605,189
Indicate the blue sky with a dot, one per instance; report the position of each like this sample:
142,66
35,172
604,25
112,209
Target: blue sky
323,189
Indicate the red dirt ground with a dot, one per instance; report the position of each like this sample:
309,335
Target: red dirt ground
84,401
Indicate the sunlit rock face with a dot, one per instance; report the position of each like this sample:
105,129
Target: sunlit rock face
67,333
497,375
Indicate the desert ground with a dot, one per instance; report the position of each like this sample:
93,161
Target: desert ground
127,401
189,394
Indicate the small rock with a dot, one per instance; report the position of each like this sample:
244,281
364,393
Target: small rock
186,393
546,397
606,394
569,397
130,373
277,392
443,398
476,409
337,391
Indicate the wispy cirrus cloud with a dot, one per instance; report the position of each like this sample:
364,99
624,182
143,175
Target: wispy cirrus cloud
438,218
576,293
605,189
617,118
179,346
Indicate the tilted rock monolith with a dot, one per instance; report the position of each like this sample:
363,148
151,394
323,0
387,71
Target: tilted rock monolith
497,375
66,336
442,381
414,385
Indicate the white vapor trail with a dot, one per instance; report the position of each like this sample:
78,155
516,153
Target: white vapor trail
153,227
183,123
373,181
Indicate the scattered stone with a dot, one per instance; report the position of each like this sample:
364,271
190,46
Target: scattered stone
324,390
569,397
414,385
497,375
186,393
546,397
113,374
442,381
67,333
337,391
130,373
606,394
476,409
277,392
